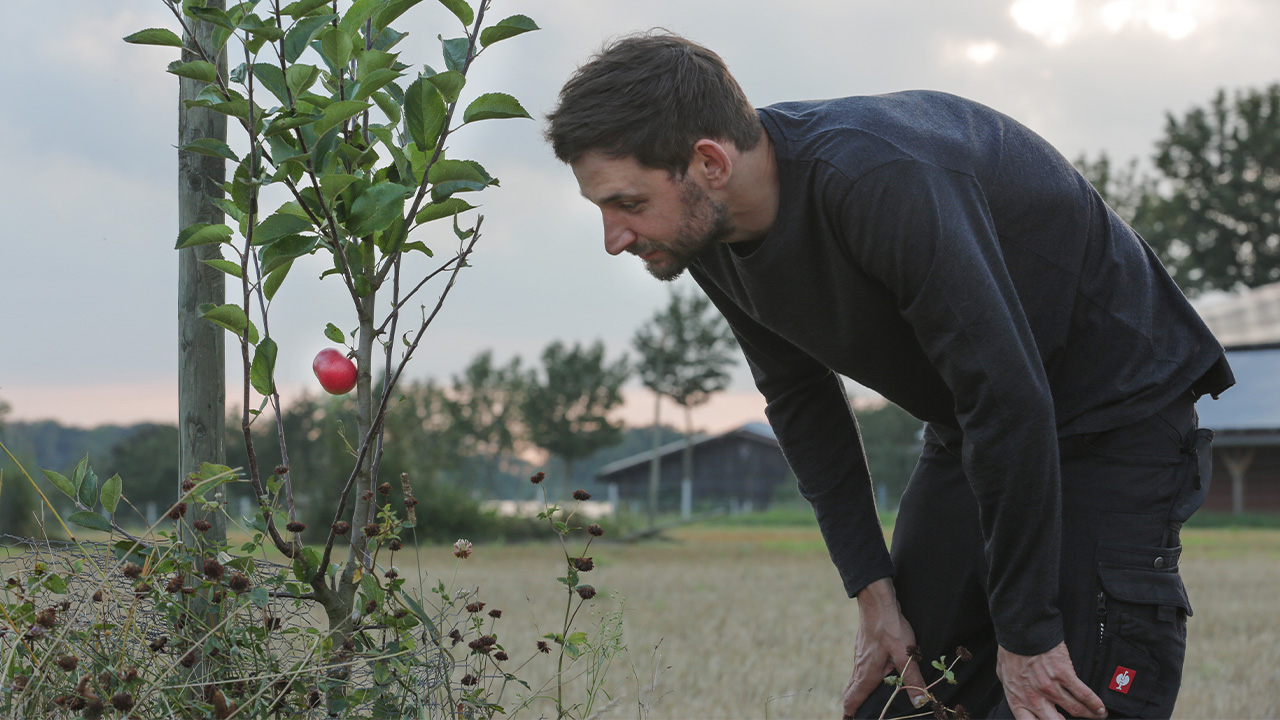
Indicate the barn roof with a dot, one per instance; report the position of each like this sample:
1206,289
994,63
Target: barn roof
752,431
1249,412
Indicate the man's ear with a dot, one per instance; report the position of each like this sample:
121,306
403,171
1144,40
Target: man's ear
712,161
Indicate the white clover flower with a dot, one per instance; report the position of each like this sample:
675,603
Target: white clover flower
462,549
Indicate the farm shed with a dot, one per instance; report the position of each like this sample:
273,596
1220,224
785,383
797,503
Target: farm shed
739,469
1246,425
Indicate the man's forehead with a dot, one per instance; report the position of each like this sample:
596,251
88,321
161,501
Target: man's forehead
607,178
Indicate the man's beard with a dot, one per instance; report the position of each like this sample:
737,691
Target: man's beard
706,222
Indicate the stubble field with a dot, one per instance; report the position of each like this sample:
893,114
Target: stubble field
730,622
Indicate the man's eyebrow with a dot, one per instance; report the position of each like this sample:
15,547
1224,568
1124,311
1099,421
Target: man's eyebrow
613,197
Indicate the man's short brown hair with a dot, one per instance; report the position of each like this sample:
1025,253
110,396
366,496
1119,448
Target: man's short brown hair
651,96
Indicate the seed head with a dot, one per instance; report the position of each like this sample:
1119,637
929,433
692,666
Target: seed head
202,525
395,544
963,653
391,573
581,495
238,582
129,675
131,570
470,680
384,489
158,644
543,647
189,659
188,483
282,470
295,527
367,495
500,656
314,698
177,511
595,530
97,596
141,589
212,569
960,713
474,607
370,606
68,662
462,549
372,530
584,564
47,617
122,701
175,584
913,652
342,527
538,477
495,613
586,592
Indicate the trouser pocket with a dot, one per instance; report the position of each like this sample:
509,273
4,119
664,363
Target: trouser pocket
1142,630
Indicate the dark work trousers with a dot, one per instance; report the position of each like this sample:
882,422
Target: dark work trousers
1125,494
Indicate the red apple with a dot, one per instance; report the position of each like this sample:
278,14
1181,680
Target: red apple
336,372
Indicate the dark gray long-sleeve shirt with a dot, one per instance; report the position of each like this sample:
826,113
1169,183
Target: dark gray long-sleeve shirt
947,257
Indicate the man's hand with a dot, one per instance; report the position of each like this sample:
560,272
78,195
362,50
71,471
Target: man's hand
1033,684
881,647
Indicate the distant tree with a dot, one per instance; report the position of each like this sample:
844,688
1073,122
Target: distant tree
1218,223
148,460
566,406
684,351
1131,193
484,407
18,500
891,438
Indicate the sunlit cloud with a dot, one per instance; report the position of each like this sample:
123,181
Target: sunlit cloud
982,52
1055,22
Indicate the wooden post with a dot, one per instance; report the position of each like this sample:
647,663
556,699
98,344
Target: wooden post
1238,462
201,344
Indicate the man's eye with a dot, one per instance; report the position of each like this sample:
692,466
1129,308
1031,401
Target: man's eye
628,206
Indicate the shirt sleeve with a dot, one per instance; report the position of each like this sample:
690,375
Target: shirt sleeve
926,232
809,412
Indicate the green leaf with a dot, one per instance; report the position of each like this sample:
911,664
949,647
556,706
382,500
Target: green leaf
389,107
337,112
286,249
55,584
424,112
88,490
155,36
202,234
334,333
416,608
110,495
77,475
91,520
336,47
229,316
461,9
212,16
448,208
226,266
196,70
445,170
301,35
373,81
300,77
277,276
360,11
362,286
262,373
376,208
277,226
494,105
302,7
210,147
388,14
61,482
332,185
272,78
449,83
508,27
455,52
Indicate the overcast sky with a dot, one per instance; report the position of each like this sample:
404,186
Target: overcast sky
88,274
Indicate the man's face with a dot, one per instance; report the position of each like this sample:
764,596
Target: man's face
665,221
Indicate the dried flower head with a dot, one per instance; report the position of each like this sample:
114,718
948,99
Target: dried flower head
68,662
462,549
959,713
212,569
586,592
391,574
129,675
47,617
474,607
367,495
295,527
457,636
595,530
189,659
469,680
963,653
913,652
395,544
384,489
19,683
313,698
97,596
202,525
543,647
538,477
158,644
372,529
122,701
175,584
495,613
581,495
141,589
584,564
131,570
500,656
342,527
370,606
177,511
188,483
282,470
238,582
939,710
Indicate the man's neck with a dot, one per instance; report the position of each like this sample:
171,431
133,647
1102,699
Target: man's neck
752,194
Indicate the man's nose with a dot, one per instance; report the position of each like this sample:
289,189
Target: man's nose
617,236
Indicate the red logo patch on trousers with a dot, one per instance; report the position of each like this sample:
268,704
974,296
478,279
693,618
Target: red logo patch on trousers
1122,680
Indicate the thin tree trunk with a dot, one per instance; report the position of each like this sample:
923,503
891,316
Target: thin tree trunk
655,462
201,344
